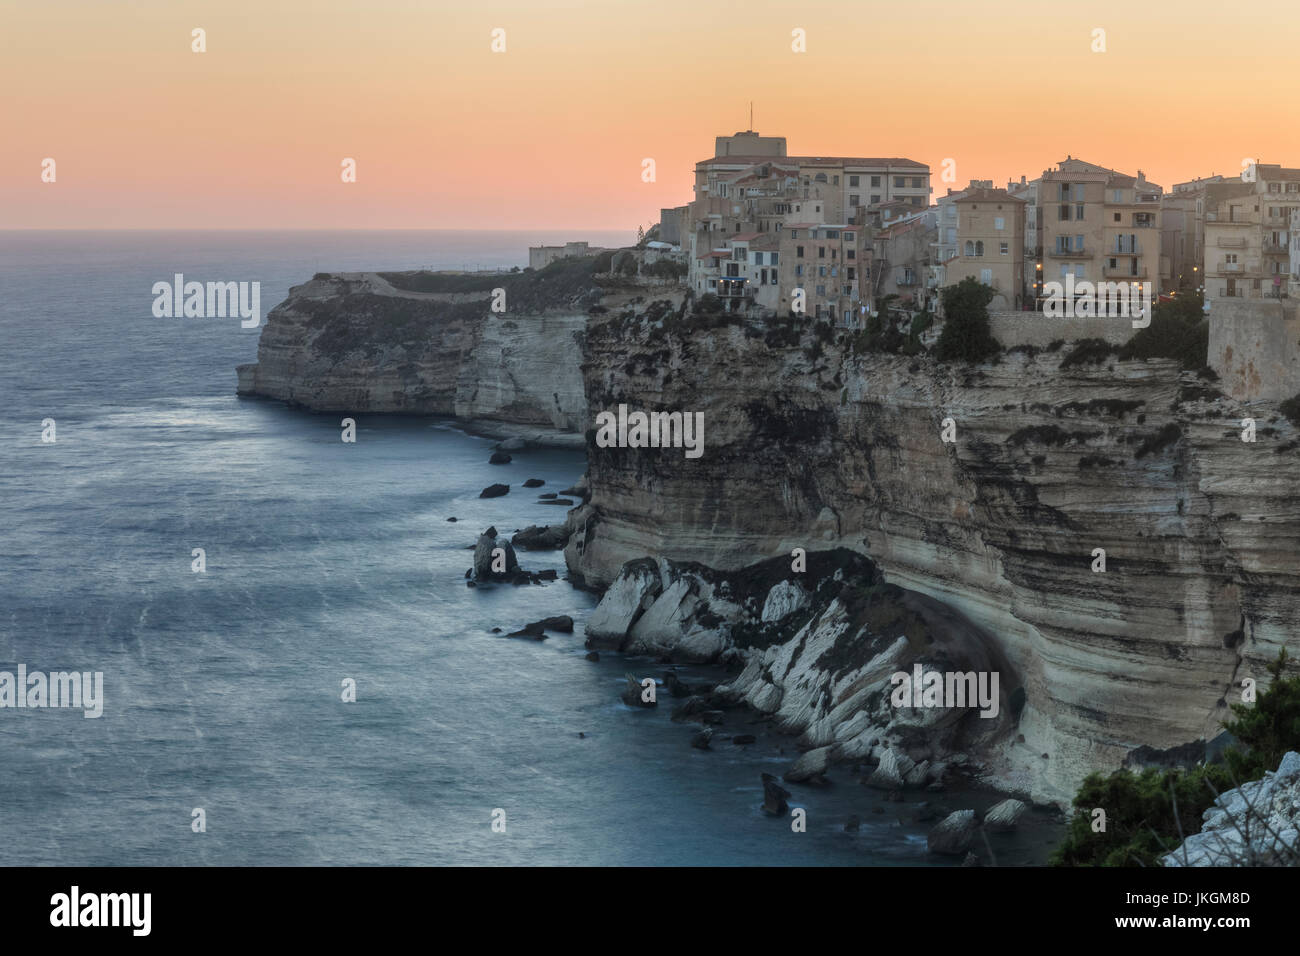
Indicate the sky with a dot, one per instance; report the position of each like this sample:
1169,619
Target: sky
553,131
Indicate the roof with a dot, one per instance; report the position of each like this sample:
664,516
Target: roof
989,195
790,161
745,236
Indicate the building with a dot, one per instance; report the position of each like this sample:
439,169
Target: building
901,261
1247,234
751,187
1099,225
990,244
831,264
539,257
1182,235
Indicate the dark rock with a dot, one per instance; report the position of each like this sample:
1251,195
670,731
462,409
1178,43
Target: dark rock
470,584
547,496
499,458
534,483
701,740
533,630
741,739
971,860
954,834
451,519
811,765
487,543
894,796
693,709
775,796
546,538
494,491
593,655
550,574
562,623
674,685
496,630
713,716
852,824
565,502
632,692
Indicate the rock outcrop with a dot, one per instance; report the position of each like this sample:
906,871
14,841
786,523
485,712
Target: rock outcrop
807,445
1257,824
427,343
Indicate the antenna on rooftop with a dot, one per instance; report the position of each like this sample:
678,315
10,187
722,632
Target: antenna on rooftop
751,116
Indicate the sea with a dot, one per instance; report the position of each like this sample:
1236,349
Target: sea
329,570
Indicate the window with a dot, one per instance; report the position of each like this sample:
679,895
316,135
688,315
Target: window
999,223
1003,248
986,276
1230,257
1078,243
1078,211
821,252
1064,214
832,233
899,181
875,180
853,181
820,178
758,258
916,200
979,248
917,182
854,200
970,248
1275,187
950,211
798,270
834,253
835,180
875,197
850,254
851,274
1117,217
1077,190
821,290
848,237
772,259
798,251
1117,195
821,271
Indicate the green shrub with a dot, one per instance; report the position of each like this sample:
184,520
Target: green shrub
1178,330
1142,823
1088,351
966,335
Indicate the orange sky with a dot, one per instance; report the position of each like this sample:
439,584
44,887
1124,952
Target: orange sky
552,132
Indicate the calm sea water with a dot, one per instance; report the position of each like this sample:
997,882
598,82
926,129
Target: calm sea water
325,561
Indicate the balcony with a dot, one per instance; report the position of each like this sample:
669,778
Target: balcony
1125,249
906,281
1276,249
1124,272
1229,267
1059,253
1276,220
1234,242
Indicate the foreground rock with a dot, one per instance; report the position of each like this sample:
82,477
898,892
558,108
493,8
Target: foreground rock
494,491
775,796
1257,824
538,629
811,767
499,458
495,560
546,538
634,695
1004,816
954,835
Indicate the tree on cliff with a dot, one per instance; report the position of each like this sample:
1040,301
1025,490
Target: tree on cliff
966,336
1149,813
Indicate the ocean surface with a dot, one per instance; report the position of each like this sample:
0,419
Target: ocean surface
325,562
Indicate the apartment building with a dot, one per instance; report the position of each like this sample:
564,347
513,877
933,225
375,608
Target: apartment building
1098,224
831,263
1182,234
751,187
991,244
1248,224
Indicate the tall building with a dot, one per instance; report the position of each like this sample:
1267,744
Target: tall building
1182,235
751,188
991,244
1247,233
1099,225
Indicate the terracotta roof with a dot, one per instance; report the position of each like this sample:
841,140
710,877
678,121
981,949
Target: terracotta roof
989,195
791,161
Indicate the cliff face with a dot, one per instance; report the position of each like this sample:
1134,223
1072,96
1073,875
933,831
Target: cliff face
360,343
1201,531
